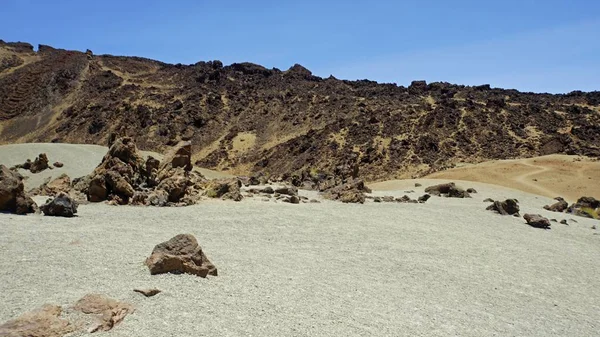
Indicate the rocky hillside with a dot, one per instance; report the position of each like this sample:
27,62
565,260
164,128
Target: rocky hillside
245,118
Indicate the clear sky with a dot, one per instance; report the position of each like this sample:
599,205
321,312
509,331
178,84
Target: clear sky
541,46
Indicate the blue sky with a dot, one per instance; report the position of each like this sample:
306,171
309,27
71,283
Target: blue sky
541,46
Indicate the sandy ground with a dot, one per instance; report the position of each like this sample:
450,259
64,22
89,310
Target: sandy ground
447,267
78,159
555,175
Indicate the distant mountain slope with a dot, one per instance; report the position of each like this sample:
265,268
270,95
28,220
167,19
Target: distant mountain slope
246,118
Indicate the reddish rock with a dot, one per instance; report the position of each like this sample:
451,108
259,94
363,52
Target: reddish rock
181,254
109,312
43,322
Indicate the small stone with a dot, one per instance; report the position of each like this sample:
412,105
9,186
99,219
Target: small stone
149,292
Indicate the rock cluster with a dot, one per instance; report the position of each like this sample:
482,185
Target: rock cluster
506,207
39,164
13,198
123,177
181,254
403,199
588,207
449,190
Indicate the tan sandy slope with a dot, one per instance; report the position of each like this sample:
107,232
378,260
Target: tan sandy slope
555,175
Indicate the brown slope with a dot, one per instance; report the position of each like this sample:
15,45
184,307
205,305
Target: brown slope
246,118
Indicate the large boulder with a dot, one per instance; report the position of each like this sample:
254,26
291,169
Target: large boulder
12,195
536,220
449,190
506,207
62,205
559,206
43,322
588,207
181,254
175,185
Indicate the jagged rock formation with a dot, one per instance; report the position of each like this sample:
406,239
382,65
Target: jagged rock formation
13,198
181,254
247,119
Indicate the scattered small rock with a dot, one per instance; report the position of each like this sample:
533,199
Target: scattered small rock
288,190
58,164
488,200
377,199
314,201
424,198
148,292
418,185
268,190
564,222
536,220
471,190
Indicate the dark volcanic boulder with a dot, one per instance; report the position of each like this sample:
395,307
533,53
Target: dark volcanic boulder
560,206
506,207
61,205
39,164
181,254
424,198
536,220
288,190
12,195
448,190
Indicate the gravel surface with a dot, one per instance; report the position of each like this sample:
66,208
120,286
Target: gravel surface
447,267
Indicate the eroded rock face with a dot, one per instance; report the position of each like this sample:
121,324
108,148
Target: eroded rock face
537,221
181,254
507,207
109,312
178,156
43,322
559,206
13,198
449,190
62,205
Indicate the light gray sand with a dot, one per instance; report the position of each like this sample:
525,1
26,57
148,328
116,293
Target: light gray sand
78,159
447,267
443,268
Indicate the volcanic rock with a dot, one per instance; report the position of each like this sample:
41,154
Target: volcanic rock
61,205
148,292
39,164
559,206
109,312
424,198
12,195
536,220
58,164
471,190
288,190
588,207
52,187
224,189
178,156
43,322
448,190
350,192
507,207
181,254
